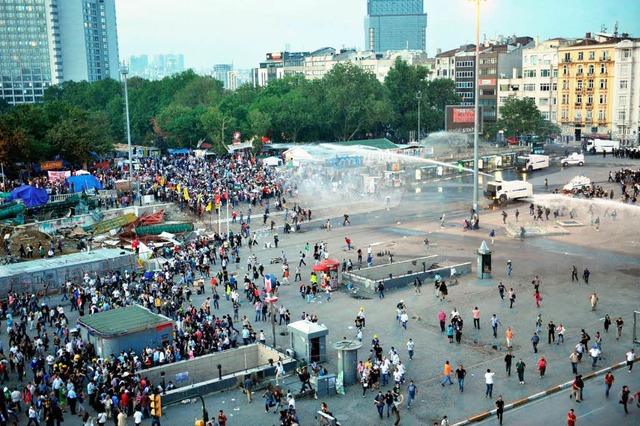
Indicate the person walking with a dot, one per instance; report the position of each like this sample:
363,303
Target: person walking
509,336
492,234
447,374
585,275
412,391
520,367
442,317
535,339
488,380
625,394
574,273
537,297
594,352
542,366
574,359
631,356
608,382
607,323
571,418
551,332
619,325
509,267
461,373
476,318
575,390
560,331
499,408
248,387
508,358
378,401
501,289
410,348
495,322
593,299
512,298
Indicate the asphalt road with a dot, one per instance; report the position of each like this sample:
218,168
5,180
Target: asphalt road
594,410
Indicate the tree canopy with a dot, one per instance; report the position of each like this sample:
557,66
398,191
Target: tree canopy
78,120
521,117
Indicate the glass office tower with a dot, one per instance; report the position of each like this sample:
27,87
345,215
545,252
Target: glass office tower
395,25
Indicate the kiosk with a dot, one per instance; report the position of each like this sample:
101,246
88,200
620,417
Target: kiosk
484,261
308,340
328,273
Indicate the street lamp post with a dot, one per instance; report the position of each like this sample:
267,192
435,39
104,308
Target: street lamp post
124,70
419,99
476,127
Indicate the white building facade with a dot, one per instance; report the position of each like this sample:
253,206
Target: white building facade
626,92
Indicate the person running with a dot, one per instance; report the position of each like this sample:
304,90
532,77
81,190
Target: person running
412,391
499,408
631,356
542,366
571,418
608,382
625,395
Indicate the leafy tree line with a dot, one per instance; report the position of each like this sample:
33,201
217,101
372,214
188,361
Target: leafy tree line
80,118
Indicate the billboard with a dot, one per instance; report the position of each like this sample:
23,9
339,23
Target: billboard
461,119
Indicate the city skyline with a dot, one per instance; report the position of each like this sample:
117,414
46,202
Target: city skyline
242,32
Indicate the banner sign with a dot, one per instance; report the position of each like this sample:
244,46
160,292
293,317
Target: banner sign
55,176
51,165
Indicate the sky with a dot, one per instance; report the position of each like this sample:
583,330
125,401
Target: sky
241,32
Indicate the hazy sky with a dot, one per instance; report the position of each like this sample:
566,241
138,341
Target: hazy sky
242,31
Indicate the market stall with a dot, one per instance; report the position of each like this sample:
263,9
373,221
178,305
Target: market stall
328,273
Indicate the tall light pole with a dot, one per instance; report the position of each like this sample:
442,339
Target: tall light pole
419,99
476,127
124,70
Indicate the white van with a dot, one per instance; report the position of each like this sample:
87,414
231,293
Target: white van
597,146
503,191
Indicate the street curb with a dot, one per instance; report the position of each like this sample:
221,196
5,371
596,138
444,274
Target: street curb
486,414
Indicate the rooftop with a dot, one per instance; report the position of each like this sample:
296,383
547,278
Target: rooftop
62,261
123,320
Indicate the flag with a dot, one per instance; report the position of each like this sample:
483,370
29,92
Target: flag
178,188
199,197
209,206
267,283
186,194
217,198
226,195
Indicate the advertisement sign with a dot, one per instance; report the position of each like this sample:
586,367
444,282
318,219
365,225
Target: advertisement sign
487,81
51,165
461,119
58,176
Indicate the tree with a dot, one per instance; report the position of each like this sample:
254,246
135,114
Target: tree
76,137
355,101
520,117
182,125
219,127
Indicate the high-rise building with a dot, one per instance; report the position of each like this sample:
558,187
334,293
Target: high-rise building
46,42
221,73
395,25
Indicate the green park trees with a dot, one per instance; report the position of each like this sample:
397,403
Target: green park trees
521,117
78,120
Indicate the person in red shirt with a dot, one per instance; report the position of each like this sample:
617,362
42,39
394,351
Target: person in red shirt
222,419
571,418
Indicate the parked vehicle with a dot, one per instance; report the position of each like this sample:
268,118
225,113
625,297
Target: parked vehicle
577,182
597,146
531,162
506,190
573,159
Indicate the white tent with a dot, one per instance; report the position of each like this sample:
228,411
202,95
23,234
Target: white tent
272,161
297,153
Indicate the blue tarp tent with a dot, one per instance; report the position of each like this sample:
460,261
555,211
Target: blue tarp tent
180,151
32,196
86,182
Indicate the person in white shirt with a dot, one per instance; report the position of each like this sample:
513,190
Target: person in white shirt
595,353
631,356
560,331
488,379
137,416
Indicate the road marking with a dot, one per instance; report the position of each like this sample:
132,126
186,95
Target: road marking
593,411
